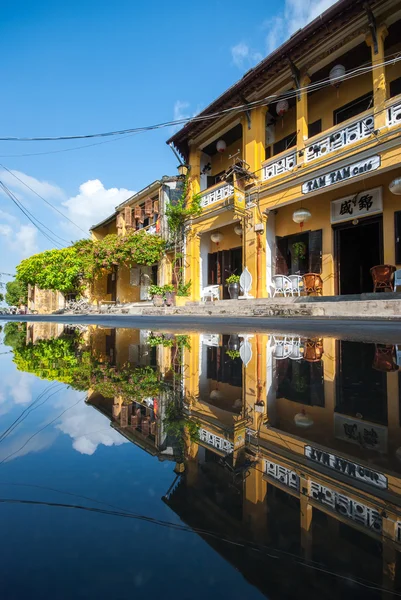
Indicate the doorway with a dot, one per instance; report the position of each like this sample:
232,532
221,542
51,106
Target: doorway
358,248
221,265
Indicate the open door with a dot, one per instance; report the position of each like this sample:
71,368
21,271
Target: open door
145,282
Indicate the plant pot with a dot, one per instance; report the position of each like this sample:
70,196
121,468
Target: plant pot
158,300
233,290
233,342
170,299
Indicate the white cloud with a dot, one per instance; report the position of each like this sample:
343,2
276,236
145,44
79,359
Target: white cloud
181,110
89,429
22,240
20,390
244,56
296,14
94,203
44,188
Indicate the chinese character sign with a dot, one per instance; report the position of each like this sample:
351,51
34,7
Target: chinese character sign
359,205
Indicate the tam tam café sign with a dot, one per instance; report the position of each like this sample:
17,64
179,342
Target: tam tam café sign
336,176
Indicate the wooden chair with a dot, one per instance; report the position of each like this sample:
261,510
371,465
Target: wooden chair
313,350
313,284
384,359
382,276
146,426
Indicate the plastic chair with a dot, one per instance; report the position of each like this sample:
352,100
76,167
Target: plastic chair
313,283
211,291
382,277
397,279
297,284
281,284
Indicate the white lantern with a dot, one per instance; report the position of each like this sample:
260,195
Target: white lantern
221,146
395,186
215,395
301,215
238,229
217,237
282,107
302,420
336,75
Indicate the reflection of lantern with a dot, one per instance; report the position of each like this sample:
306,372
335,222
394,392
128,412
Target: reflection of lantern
395,186
238,229
217,238
221,146
336,75
302,420
301,215
215,395
282,107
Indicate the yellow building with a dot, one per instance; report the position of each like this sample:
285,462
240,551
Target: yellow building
318,129
144,211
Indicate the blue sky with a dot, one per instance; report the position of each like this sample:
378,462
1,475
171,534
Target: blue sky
88,66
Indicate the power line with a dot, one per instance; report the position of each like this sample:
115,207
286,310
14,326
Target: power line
248,106
44,199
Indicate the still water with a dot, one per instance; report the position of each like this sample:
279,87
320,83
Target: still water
148,464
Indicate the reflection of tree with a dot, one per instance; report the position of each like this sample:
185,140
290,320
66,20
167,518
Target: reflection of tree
14,334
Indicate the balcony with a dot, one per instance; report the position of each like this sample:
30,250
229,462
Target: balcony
340,137
394,112
284,163
218,192
215,441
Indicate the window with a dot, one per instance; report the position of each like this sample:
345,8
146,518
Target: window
397,231
395,87
300,253
352,108
288,142
315,128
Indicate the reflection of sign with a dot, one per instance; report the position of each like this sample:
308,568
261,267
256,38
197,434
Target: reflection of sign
346,507
239,437
346,467
282,474
360,168
362,433
359,205
217,442
398,532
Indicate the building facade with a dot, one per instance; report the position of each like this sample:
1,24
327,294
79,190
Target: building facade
318,130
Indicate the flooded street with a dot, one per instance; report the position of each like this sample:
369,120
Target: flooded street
142,463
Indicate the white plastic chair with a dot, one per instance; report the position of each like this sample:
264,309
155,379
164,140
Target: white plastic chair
210,291
282,347
397,279
297,350
282,285
297,284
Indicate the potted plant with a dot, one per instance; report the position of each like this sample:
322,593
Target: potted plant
156,292
299,249
169,294
233,354
233,286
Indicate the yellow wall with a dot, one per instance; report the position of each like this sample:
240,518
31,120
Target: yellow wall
101,232
221,162
125,291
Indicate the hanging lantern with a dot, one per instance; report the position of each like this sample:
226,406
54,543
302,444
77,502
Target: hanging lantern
395,186
221,146
238,230
301,215
217,238
282,107
215,395
302,420
336,75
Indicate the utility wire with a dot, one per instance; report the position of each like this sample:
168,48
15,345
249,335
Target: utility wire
248,106
44,199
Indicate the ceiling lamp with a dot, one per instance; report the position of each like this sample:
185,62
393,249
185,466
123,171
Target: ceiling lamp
301,215
336,75
238,230
395,186
183,170
221,146
302,420
217,238
282,107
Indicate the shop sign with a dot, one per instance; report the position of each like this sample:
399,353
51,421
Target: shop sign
360,168
356,206
282,474
346,467
346,507
363,434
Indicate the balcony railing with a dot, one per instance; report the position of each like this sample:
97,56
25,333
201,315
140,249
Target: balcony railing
278,166
217,442
394,114
217,193
340,137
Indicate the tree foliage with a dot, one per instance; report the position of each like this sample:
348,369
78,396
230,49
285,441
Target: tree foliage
183,209
16,293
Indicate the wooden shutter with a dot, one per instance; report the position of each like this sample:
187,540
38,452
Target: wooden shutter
138,212
148,206
156,206
315,251
142,217
120,220
281,254
397,231
128,216
212,268
219,268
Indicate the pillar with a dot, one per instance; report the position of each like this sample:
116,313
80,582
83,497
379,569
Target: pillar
192,265
379,76
254,138
389,552
254,247
306,511
194,173
255,503
302,119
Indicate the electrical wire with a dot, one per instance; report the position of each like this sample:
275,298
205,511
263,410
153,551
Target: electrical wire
239,108
44,199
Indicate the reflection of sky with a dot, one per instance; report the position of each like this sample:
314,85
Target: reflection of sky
63,553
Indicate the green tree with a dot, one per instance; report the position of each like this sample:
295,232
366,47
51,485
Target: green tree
15,335
16,293
1,297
